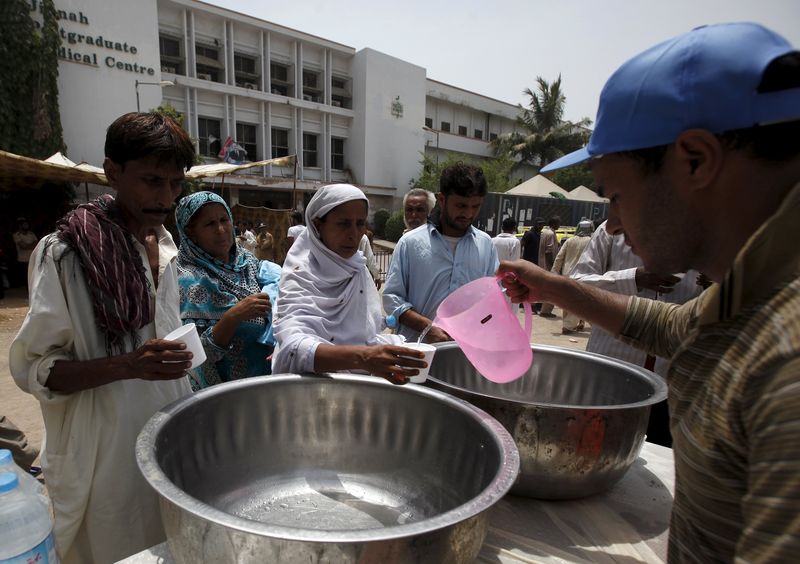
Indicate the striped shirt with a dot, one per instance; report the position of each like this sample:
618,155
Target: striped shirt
734,398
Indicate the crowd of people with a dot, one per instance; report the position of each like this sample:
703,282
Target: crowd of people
92,347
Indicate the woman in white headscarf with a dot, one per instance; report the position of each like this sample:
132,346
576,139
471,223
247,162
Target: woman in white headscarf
328,315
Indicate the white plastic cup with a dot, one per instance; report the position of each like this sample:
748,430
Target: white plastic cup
429,351
188,334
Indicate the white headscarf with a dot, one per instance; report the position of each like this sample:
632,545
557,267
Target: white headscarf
323,297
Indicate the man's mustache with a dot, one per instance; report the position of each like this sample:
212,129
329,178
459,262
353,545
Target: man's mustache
159,210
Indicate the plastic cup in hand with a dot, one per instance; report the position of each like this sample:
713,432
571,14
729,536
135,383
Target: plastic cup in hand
187,334
429,351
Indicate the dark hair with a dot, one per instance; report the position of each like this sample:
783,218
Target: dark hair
139,135
777,142
463,180
509,223
554,221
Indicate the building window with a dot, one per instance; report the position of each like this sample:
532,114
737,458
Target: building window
478,134
445,126
244,63
337,153
246,137
310,149
280,143
207,63
492,136
279,79
206,51
462,130
340,92
245,71
169,46
429,122
208,136
171,59
311,86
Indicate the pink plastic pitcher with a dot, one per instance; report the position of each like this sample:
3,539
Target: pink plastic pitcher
483,323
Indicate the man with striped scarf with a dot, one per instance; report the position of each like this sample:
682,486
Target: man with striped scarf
103,294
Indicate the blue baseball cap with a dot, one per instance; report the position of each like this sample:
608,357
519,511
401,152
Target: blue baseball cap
707,79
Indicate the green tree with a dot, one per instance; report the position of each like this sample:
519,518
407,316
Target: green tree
497,171
379,220
30,121
167,109
572,177
395,226
543,135
432,171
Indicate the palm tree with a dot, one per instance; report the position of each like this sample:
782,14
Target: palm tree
543,135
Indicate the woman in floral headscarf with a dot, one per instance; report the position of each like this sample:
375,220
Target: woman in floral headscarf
225,291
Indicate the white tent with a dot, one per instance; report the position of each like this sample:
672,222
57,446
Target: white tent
584,194
537,186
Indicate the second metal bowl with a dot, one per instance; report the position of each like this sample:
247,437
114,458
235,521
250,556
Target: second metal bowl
578,418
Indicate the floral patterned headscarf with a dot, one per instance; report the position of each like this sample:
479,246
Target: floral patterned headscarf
208,286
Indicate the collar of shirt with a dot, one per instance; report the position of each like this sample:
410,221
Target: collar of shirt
436,229
770,258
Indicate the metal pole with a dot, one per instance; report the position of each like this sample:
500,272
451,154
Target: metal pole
137,97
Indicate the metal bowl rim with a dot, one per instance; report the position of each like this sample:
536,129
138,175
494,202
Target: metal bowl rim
659,385
491,494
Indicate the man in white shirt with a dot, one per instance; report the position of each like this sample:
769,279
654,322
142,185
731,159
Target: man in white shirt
91,348
295,230
506,243
609,263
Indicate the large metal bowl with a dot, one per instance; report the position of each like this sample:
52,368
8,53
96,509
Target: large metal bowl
579,419
324,469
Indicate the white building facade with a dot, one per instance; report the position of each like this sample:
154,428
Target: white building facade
350,116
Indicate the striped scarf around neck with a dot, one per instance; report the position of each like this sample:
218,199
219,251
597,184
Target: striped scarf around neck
113,268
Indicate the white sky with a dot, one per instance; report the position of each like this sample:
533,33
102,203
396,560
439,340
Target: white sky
498,48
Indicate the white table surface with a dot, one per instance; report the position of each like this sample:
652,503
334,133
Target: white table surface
626,524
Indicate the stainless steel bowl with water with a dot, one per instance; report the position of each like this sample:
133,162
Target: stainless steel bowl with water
325,469
579,419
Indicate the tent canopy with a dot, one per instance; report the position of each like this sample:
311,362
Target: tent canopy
17,171
537,186
584,194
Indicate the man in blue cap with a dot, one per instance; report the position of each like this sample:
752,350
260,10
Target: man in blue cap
697,146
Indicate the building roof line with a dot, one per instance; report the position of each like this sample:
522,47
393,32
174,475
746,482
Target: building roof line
253,18
515,106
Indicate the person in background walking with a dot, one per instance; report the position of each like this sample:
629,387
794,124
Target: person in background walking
295,229
506,243
566,259
548,249
25,240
